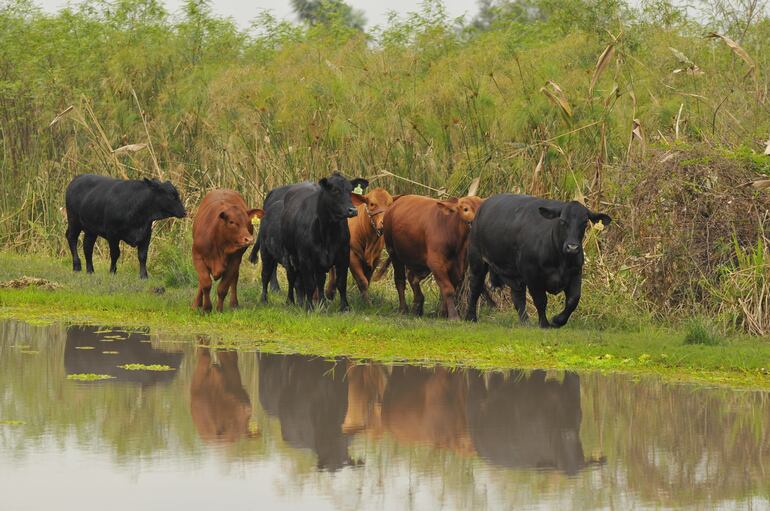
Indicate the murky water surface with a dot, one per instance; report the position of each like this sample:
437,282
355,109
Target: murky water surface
243,430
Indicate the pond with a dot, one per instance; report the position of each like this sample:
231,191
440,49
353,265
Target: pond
104,418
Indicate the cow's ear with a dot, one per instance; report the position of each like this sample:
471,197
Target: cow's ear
223,216
150,182
358,199
599,217
396,197
256,212
448,206
549,213
324,183
359,181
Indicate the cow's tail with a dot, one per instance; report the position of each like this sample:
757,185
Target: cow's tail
381,271
254,256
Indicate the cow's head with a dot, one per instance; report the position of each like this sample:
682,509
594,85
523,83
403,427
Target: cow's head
573,220
166,198
376,202
336,197
465,207
238,230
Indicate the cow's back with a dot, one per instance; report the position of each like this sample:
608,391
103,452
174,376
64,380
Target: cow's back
87,197
299,212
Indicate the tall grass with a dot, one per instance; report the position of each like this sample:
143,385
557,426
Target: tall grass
527,105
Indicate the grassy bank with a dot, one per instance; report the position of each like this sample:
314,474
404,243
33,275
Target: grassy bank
376,331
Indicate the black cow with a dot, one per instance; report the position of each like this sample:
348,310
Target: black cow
117,210
530,243
315,235
268,243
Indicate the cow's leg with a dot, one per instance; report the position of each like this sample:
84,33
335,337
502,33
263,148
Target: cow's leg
203,297
477,271
571,300
308,285
291,276
142,248
399,276
114,254
89,240
541,302
268,270
519,299
224,285
234,284
418,301
444,282
73,232
359,274
274,286
342,280
331,285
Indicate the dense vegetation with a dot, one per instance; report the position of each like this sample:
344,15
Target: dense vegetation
658,118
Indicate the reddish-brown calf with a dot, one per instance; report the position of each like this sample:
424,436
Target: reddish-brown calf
426,236
366,241
221,232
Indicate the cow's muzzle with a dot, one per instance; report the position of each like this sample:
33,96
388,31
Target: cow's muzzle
571,248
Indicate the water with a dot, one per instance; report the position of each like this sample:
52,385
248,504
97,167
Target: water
258,431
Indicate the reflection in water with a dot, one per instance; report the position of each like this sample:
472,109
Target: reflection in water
219,404
309,397
520,421
421,437
98,350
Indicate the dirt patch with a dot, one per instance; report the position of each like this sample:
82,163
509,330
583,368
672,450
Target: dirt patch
25,282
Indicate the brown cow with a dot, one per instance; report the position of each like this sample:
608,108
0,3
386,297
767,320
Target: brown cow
219,404
429,236
366,241
221,232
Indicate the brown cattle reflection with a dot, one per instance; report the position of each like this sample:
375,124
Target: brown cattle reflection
219,404
100,350
427,406
309,397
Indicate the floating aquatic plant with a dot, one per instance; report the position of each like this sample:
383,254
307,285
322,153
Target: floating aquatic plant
88,377
84,347
143,367
9,422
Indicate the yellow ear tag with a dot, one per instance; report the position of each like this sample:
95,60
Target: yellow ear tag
358,190
255,221
598,226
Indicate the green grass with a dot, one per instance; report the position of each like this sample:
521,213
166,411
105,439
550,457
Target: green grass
375,332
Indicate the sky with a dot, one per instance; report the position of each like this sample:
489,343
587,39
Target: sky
243,11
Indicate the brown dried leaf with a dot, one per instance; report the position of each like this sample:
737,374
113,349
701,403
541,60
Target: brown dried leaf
557,96
737,50
61,114
130,148
601,65
761,184
767,149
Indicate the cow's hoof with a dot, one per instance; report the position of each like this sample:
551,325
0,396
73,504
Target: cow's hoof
471,317
559,321
77,268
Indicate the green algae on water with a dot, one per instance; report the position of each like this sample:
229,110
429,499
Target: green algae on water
9,422
89,377
143,367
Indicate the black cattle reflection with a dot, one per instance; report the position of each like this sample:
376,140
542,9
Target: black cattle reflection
520,421
219,404
309,397
99,350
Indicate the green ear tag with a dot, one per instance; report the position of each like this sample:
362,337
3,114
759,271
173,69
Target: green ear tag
358,190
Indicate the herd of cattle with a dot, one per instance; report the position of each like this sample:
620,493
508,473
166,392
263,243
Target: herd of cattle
319,230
